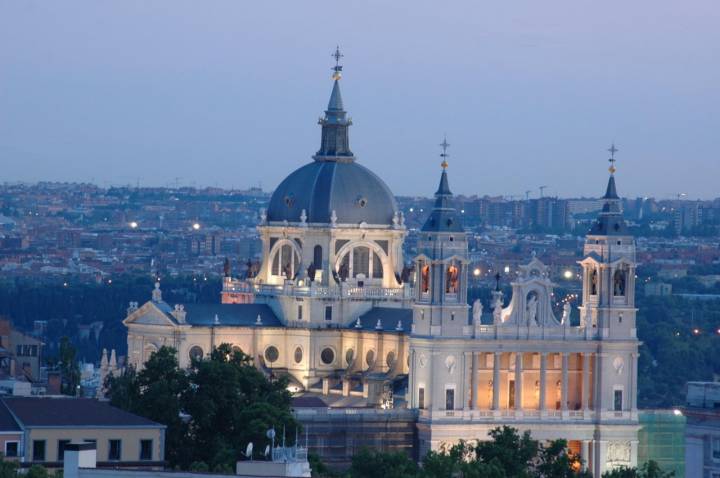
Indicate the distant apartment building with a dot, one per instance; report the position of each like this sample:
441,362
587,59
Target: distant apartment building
658,289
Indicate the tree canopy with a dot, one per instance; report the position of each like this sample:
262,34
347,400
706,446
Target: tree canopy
212,411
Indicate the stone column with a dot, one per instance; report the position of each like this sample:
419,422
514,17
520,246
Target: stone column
518,381
496,381
632,392
564,393
586,381
585,454
543,373
473,382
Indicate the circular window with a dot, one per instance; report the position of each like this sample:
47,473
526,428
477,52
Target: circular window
289,200
298,355
349,356
370,357
327,356
272,354
390,359
196,353
361,201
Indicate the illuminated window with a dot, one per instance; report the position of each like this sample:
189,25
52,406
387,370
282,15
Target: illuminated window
451,279
285,261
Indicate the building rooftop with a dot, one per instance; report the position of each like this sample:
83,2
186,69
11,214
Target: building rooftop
69,412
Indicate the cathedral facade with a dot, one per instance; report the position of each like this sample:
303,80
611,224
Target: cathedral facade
334,306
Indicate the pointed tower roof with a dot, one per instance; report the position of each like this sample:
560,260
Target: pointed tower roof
443,217
610,222
335,140
334,188
336,102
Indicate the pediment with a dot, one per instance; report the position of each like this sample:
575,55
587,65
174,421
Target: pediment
149,314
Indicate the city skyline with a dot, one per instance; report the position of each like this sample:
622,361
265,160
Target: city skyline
224,91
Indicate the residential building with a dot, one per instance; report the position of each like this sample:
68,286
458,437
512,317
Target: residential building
45,425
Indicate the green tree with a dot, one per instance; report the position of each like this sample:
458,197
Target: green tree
554,461
458,460
155,393
231,404
69,367
648,470
371,464
8,469
36,471
509,451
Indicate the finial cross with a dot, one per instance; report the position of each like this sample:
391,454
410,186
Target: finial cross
338,67
444,145
612,150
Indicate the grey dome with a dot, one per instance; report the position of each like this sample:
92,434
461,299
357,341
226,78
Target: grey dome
355,193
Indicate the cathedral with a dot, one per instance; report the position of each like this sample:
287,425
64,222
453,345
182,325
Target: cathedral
335,307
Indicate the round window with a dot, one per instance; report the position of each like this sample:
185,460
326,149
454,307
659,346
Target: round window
370,357
196,353
298,355
327,356
271,354
390,359
349,356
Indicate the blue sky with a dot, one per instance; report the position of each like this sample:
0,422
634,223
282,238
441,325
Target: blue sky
228,92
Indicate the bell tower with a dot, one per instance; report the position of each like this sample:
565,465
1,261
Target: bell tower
608,314
609,269
440,307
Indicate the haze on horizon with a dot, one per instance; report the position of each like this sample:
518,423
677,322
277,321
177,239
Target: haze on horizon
228,93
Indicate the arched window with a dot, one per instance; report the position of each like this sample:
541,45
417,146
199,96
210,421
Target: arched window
593,282
425,278
619,282
370,358
452,279
360,260
285,262
317,257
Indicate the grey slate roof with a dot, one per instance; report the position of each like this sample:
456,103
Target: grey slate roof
389,317
443,217
355,193
231,314
610,222
333,182
7,422
71,412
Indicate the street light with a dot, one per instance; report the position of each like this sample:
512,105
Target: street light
476,272
568,274
196,226
133,225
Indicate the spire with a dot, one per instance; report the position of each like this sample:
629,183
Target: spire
610,221
444,187
611,191
443,216
335,142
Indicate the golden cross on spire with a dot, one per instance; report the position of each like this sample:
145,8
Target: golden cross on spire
444,145
612,159
337,69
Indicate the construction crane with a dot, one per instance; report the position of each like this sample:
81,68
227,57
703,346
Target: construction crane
542,190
